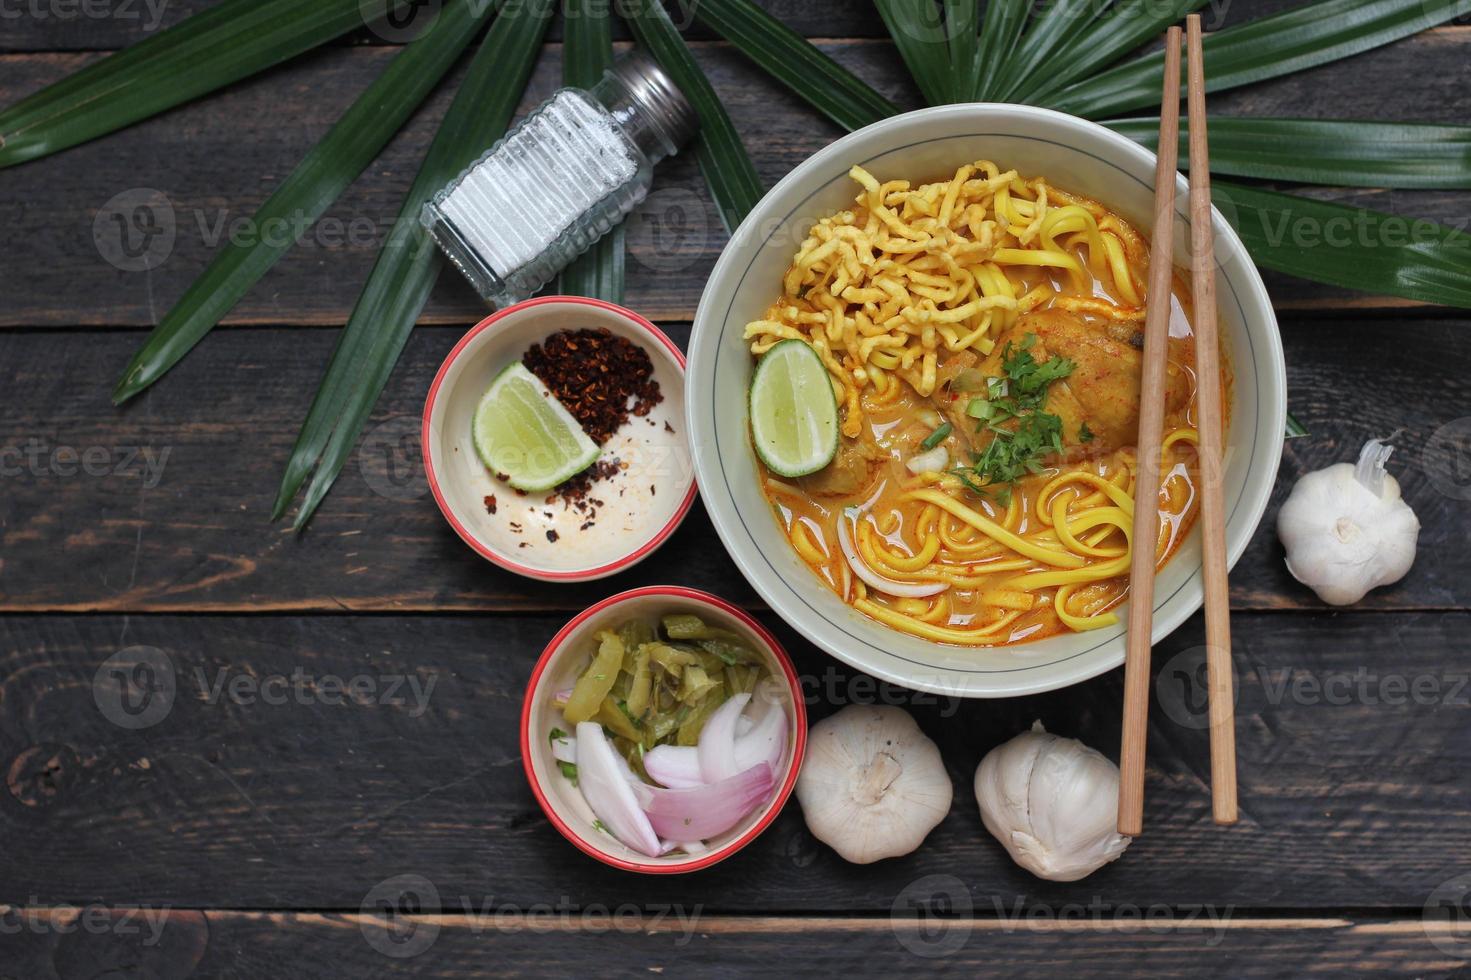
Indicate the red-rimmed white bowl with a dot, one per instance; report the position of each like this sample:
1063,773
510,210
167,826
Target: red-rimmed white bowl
641,505
564,659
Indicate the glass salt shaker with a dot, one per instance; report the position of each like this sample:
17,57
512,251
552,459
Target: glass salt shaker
559,180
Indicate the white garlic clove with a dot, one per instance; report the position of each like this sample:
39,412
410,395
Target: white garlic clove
872,784
1346,529
1052,802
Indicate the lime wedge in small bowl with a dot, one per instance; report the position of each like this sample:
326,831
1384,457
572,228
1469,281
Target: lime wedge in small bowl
521,430
794,414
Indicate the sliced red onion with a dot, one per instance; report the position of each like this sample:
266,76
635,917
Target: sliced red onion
561,698
603,777
564,748
744,724
905,590
678,766
708,811
675,766
716,747
766,743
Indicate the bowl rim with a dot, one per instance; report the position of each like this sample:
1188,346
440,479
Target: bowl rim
481,548
1020,680
799,734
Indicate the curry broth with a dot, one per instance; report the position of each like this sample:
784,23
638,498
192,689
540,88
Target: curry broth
898,424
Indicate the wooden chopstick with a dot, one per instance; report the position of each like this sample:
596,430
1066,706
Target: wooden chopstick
1219,679
1151,434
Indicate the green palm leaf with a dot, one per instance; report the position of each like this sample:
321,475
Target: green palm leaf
1266,48
727,166
207,51
999,34
961,26
920,37
1119,29
1338,152
788,56
1052,28
1355,248
317,181
587,52
409,262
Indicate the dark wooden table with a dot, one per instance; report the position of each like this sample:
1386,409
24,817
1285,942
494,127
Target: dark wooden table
246,829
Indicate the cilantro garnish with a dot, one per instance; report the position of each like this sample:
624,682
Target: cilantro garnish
1023,435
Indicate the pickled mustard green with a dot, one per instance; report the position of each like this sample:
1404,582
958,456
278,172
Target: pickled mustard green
649,684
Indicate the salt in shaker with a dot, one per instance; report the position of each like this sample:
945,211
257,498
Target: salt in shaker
560,180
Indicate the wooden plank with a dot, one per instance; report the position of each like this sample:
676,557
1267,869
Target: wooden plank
170,511
81,25
583,940
276,793
201,170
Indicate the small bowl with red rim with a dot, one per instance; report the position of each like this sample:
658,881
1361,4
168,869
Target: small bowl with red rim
564,660
624,517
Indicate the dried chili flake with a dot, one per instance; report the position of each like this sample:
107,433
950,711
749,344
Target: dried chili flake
552,537
490,503
600,378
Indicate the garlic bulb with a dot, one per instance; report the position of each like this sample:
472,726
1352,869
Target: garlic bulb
872,784
1053,803
1346,529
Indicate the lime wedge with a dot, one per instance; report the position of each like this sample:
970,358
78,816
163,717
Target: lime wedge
794,416
522,431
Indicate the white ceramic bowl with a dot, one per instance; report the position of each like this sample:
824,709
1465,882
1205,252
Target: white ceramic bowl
642,505
566,656
1073,154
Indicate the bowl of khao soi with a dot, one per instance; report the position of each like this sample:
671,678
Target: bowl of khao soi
931,470
554,438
